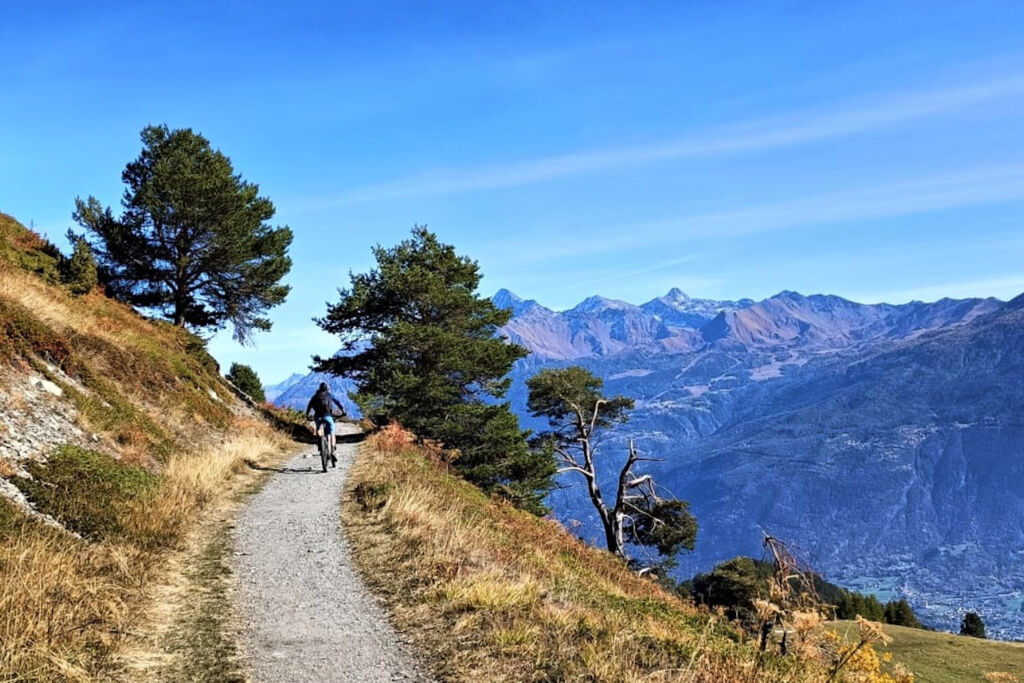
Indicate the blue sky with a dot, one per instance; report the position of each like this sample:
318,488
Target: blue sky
871,150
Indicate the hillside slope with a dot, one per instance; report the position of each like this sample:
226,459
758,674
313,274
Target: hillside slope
489,592
115,433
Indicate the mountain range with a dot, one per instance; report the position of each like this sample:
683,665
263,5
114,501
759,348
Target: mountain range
296,391
885,441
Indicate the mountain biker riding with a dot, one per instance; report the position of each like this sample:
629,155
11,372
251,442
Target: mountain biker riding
323,416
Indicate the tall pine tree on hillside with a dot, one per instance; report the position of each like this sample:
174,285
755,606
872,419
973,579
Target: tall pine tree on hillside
423,349
193,243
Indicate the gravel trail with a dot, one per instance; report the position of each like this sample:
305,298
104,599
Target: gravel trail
307,614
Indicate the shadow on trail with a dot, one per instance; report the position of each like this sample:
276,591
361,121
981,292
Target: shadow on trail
253,465
358,437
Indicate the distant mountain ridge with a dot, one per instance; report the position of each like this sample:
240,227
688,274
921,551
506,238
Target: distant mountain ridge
272,391
297,394
598,326
884,439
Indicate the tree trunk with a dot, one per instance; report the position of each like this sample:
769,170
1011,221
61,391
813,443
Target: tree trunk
610,521
612,534
612,537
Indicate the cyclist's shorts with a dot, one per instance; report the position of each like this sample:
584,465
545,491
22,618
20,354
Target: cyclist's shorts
328,422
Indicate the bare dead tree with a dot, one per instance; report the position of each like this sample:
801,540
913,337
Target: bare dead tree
577,412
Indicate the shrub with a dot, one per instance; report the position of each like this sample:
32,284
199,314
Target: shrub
10,519
22,334
78,273
246,379
733,585
900,613
973,626
91,493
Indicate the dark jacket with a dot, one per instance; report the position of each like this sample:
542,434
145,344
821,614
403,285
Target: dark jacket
321,402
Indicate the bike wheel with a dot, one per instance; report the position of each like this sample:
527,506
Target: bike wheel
325,451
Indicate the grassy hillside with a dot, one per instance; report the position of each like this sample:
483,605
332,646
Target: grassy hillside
489,592
945,658
133,434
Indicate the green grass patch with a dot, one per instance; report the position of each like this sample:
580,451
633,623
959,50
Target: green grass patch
201,638
162,368
937,657
90,493
107,411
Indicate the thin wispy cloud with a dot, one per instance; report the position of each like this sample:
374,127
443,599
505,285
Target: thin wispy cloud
653,268
761,135
933,193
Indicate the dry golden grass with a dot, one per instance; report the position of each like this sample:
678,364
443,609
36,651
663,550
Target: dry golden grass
65,604
488,592
6,468
155,396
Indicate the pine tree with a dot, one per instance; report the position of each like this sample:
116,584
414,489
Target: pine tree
79,271
192,243
900,613
973,626
872,609
422,348
732,585
577,412
246,379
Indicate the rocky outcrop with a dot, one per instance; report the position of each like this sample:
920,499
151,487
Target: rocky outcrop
34,417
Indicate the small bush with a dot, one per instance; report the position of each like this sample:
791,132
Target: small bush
246,379
78,273
973,626
90,493
22,334
371,497
11,519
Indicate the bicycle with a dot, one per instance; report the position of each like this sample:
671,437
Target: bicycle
325,446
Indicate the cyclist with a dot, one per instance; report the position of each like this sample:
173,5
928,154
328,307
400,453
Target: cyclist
320,406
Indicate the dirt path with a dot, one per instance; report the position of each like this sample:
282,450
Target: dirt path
307,613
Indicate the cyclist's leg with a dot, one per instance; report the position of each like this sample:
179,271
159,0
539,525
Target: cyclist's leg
329,426
316,430
321,427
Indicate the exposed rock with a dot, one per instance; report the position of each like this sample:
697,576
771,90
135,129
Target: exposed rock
34,418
